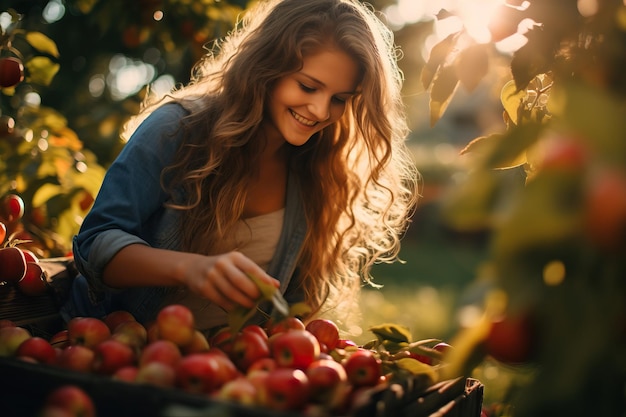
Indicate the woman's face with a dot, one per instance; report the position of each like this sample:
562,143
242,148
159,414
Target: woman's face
305,102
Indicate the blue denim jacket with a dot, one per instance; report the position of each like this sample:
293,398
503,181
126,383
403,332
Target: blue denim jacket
130,209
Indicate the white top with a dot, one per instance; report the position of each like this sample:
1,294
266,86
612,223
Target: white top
255,237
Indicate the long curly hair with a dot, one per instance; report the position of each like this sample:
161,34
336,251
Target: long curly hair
360,182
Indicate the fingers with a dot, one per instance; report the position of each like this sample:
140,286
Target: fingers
226,281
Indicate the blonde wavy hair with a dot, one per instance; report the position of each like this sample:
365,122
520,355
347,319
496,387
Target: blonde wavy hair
360,182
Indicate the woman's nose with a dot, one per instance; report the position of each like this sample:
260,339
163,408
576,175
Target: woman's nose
320,108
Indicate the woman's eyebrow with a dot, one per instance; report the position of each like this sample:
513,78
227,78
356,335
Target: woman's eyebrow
320,83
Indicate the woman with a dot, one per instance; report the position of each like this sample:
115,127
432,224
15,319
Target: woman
284,158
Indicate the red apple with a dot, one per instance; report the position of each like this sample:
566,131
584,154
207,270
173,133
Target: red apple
153,331
176,323
363,368
286,389
7,323
34,282
263,364
326,332
3,232
198,344
112,355
422,358
510,339
11,72
258,378
76,358
327,379
11,337
131,333
87,331
248,347
13,207
158,374
38,349
254,328
239,390
126,373
345,343
163,351
224,340
117,317
73,399
12,264
288,323
294,349
196,373
604,214
30,256
60,339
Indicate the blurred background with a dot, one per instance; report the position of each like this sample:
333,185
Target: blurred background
99,60
88,65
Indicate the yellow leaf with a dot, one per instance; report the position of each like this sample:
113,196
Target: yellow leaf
42,43
438,55
484,146
299,309
511,99
41,70
472,65
416,367
444,85
391,332
468,349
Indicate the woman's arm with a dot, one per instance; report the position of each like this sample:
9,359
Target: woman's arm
223,279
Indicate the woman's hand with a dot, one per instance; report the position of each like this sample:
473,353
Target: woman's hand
224,279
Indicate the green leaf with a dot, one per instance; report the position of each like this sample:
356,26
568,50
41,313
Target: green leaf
438,55
483,146
444,85
42,43
300,309
41,70
472,65
416,367
391,332
511,99
240,315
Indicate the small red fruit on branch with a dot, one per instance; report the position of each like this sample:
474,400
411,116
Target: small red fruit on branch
363,368
11,72
34,282
12,207
12,264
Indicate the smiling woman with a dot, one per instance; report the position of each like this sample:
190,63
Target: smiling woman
292,136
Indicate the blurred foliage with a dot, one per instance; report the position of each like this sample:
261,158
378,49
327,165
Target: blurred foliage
556,308
58,132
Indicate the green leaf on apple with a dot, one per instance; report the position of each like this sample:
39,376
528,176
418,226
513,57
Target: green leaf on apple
240,315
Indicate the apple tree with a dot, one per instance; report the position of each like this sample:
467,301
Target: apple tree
555,312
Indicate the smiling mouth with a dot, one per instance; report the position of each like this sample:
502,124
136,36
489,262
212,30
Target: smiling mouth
303,120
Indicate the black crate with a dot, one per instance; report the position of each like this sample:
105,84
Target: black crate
25,386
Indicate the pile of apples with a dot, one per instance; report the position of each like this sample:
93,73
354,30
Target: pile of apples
18,266
285,365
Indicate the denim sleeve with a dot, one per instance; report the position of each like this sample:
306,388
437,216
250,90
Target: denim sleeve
130,195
